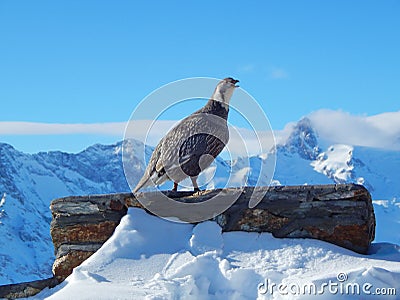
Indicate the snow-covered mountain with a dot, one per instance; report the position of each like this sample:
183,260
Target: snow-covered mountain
28,182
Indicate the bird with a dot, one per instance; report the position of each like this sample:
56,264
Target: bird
193,144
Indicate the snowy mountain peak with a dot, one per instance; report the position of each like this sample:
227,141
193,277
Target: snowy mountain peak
6,147
336,163
303,140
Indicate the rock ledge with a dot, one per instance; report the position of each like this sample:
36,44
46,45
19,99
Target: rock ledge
340,214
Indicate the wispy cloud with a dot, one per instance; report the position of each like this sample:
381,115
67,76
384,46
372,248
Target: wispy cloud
247,68
242,141
32,128
379,131
278,73
246,142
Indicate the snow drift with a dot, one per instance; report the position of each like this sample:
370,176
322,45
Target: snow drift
151,258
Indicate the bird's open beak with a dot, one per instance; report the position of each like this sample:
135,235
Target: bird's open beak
235,81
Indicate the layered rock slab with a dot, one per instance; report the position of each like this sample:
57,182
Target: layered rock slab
339,214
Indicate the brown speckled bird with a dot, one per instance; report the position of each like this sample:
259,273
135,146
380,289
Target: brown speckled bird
192,145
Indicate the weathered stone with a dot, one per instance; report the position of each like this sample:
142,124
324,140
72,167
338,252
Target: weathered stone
339,214
80,226
259,220
67,248
317,212
87,210
64,265
347,236
26,289
82,233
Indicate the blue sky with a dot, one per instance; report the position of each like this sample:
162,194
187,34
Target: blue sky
85,62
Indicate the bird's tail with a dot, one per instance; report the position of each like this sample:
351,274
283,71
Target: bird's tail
155,178
144,182
151,170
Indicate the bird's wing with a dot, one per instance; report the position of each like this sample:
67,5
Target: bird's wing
193,137
177,155
198,151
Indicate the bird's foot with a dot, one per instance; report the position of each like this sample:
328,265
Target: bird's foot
196,189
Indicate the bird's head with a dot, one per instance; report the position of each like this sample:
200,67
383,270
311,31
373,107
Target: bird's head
224,90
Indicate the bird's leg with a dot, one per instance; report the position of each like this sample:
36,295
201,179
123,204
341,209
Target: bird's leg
175,189
194,182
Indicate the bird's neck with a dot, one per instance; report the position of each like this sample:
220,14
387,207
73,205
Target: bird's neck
222,96
217,108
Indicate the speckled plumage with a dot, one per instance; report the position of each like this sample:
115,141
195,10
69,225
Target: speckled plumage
192,145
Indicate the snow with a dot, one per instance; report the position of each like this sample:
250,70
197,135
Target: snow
2,211
152,258
212,241
3,200
335,163
387,214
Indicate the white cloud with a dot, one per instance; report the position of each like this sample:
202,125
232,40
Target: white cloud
242,141
32,128
278,73
379,131
112,128
246,142
248,68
